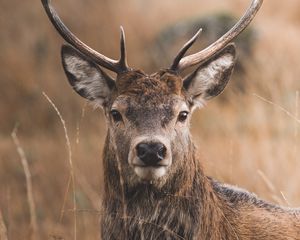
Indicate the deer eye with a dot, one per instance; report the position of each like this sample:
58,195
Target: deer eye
183,116
117,117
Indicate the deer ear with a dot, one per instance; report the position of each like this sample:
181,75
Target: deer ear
210,79
86,78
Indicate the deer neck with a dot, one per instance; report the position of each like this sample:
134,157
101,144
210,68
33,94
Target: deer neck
188,182
188,199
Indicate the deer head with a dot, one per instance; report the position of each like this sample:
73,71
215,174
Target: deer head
148,115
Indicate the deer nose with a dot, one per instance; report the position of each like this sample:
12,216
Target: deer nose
151,153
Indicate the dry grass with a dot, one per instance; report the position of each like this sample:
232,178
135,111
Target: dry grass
3,230
250,139
72,174
32,210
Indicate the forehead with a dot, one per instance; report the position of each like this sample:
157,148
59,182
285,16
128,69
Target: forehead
147,103
160,92
144,88
149,112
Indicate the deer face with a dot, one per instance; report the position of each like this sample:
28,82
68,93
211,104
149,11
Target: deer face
148,115
149,118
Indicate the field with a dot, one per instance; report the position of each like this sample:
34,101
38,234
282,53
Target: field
248,138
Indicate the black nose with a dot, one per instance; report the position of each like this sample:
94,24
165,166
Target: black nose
151,153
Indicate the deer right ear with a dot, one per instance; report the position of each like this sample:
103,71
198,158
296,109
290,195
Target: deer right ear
86,78
210,78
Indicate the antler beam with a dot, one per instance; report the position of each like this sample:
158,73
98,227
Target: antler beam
180,63
117,66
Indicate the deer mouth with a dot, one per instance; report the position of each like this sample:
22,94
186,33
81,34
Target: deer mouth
150,173
152,170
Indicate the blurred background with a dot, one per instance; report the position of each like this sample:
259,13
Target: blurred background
249,136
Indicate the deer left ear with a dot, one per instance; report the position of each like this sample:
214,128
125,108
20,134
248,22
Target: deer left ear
210,79
86,78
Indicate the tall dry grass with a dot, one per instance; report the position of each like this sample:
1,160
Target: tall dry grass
251,140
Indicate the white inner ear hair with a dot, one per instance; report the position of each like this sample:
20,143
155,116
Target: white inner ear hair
87,78
208,77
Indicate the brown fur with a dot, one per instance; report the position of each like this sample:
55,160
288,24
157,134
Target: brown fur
183,203
189,205
136,82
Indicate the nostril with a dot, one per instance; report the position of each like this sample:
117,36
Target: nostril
141,150
161,153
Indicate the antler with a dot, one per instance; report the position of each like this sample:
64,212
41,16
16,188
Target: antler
117,66
179,63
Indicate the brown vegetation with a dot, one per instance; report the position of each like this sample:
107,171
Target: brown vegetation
252,141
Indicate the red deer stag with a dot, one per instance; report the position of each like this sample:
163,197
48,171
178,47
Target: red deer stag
155,187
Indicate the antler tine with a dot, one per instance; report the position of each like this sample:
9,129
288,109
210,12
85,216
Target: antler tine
184,49
123,59
206,53
111,64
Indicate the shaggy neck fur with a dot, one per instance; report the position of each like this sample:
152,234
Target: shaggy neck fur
186,207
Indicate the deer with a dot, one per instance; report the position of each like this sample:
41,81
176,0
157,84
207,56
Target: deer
154,183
